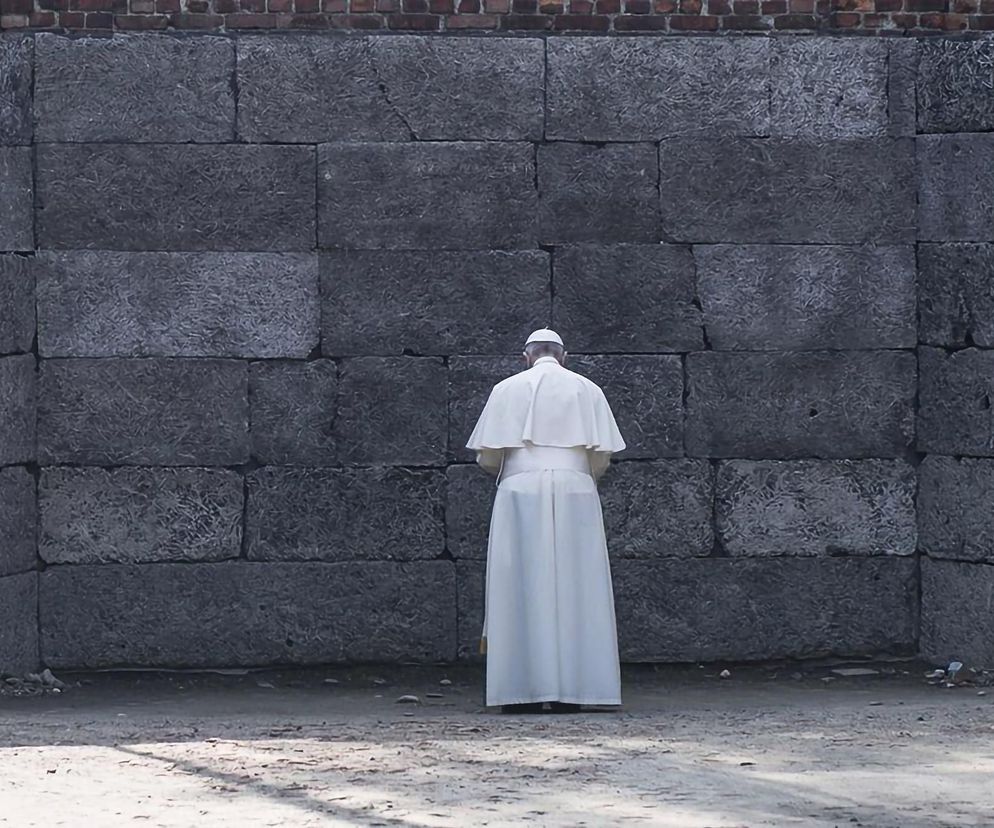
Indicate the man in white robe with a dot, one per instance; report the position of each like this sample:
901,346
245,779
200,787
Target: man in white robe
549,626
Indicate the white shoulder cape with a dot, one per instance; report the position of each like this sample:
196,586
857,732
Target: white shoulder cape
547,405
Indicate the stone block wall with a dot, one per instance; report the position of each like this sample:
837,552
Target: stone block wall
256,288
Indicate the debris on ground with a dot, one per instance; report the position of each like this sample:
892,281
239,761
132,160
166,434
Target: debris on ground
409,699
850,672
957,675
725,674
32,684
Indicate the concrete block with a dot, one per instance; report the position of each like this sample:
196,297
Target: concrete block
19,624
955,178
955,85
17,409
18,516
470,381
16,199
955,402
956,294
957,617
470,585
17,303
954,515
16,63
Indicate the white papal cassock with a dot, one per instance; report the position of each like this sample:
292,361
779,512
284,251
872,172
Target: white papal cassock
549,626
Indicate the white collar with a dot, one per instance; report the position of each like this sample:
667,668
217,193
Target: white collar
541,360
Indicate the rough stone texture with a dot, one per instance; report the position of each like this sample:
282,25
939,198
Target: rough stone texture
598,193
471,587
17,303
956,294
786,405
163,197
17,409
134,88
955,179
345,514
389,89
902,80
816,507
17,521
956,85
955,396
626,298
16,62
769,190
470,381
139,515
16,195
248,614
392,410
461,195
644,89
783,297
469,500
829,87
395,302
99,303
294,411
957,617
19,624
716,609
168,412
954,515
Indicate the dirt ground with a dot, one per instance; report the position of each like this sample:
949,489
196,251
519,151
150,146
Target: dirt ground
773,745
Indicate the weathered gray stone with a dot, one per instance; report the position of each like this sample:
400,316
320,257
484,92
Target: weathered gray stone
392,302
470,581
767,190
139,515
956,85
659,509
787,405
902,79
134,88
17,409
17,521
163,197
16,198
389,89
626,298
345,514
19,624
797,297
470,381
469,499
957,622
829,87
816,507
251,614
711,609
392,410
956,294
955,179
168,412
598,193
956,402
646,396
15,88
294,411
954,515
427,196
644,89
17,304
100,303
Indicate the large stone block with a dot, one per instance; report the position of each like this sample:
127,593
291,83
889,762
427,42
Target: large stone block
163,197
957,621
598,193
471,586
956,402
392,410
19,624
389,89
626,298
17,521
100,303
17,304
15,88
16,199
711,609
788,405
17,409
167,412
767,190
955,85
469,500
955,519
829,87
139,515
394,302
956,294
134,88
427,196
250,614
644,89
345,514
470,382
955,178
816,507
799,297
294,412
902,78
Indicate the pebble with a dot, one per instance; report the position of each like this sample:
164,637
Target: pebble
435,695
330,681
725,674
408,700
445,682
855,671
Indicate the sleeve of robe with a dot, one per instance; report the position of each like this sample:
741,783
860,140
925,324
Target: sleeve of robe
490,459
